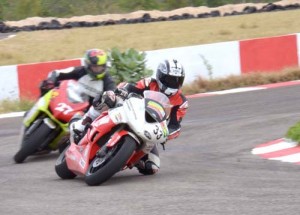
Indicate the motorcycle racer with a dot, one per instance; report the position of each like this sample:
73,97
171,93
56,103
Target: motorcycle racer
92,76
169,79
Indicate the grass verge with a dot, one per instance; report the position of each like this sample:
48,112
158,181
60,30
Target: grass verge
252,79
51,45
7,105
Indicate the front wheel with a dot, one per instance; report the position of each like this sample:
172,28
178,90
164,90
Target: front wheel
32,141
103,168
61,167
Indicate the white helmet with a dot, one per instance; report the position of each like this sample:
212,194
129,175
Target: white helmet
170,76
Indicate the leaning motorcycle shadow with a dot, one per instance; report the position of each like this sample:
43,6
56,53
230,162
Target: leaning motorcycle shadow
134,177
52,156
129,177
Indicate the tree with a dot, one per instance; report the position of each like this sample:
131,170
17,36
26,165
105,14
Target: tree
138,5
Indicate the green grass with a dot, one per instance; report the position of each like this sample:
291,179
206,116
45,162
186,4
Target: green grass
14,105
293,132
252,79
39,46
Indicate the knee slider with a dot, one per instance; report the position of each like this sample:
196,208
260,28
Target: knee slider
149,169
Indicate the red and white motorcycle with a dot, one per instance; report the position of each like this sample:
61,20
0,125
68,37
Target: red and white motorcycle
117,139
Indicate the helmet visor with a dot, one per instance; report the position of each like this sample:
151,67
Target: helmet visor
174,82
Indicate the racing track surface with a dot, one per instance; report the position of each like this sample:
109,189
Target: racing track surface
208,170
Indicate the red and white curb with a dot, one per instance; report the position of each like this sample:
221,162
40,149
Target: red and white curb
284,150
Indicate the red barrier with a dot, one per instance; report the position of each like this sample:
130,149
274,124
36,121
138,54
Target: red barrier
30,76
268,54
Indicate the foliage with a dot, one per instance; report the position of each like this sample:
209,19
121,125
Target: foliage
8,105
293,132
128,66
21,9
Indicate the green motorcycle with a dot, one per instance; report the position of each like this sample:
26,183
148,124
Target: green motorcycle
45,126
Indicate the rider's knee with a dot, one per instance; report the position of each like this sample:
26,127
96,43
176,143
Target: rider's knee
148,168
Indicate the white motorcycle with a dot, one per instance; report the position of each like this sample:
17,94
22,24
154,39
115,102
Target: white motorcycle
117,139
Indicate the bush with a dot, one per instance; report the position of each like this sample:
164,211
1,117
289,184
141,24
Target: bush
128,66
294,132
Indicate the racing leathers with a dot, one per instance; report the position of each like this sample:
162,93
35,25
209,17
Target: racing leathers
150,163
90,86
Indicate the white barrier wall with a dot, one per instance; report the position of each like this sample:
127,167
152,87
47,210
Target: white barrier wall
216,60
9,82
210,60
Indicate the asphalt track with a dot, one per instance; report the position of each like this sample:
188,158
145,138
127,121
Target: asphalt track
208,170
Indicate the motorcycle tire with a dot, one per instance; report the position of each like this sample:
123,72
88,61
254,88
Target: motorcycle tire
112,164
32,142
61,167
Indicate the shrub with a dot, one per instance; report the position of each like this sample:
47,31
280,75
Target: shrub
293,132
128,66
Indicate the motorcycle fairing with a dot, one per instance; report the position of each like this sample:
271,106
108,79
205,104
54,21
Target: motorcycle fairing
40,106
43,106
78,156
64,104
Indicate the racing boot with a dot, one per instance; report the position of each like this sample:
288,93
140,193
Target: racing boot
78,128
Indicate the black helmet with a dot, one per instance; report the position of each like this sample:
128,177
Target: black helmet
170,76
95,61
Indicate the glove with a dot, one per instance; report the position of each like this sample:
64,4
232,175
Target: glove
47,85
174,132
97,101
107,99
122,92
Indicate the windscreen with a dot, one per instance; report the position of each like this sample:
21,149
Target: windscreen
157,105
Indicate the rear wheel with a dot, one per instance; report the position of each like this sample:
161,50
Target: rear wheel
32,141
61,167
103,168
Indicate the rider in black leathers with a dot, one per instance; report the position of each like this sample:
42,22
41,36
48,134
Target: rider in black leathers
92,76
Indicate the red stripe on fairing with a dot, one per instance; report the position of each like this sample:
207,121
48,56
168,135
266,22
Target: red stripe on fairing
268,54
30,76
280,153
